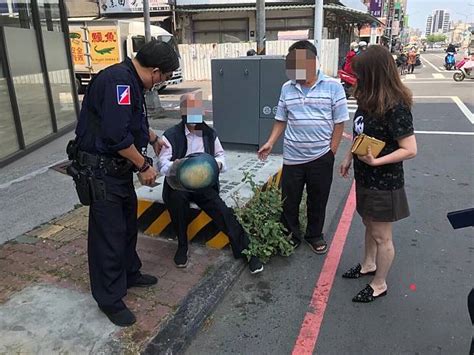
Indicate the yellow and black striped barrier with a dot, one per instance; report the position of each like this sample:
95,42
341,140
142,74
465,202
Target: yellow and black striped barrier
154,219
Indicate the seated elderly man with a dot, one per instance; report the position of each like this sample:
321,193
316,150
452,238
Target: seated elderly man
193,135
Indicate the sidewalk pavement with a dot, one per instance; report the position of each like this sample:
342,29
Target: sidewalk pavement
46,305
45,301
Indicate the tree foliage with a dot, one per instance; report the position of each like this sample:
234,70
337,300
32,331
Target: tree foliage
436,38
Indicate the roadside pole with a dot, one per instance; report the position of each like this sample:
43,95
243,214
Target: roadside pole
318,24
260,27
152,98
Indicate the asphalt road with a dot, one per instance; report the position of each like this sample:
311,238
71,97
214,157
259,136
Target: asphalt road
425,311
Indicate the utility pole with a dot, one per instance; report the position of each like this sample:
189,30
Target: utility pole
318,24
152,99
261,27
391,9
146,17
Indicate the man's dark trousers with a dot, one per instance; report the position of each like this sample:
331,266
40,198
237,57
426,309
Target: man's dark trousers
317,176
113,260
177,203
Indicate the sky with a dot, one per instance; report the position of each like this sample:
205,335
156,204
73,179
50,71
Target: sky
418,10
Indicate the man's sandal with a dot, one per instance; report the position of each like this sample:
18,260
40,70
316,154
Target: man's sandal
355,272
367,295
319,246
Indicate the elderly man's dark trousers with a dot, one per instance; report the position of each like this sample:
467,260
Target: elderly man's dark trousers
210,202
112,240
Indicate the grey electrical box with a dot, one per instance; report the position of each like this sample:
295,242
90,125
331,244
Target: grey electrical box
245,94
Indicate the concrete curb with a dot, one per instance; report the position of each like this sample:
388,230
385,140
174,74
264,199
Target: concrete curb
174,336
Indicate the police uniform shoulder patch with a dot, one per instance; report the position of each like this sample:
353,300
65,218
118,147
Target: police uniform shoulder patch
123,95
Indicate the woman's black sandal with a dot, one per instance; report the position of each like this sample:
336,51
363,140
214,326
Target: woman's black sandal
354,273
367,295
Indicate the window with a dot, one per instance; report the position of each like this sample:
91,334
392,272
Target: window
8,137
49,15
221,31
275,25
16,13
59,77
28,81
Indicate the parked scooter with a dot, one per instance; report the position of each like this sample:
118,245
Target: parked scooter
348,81
449,61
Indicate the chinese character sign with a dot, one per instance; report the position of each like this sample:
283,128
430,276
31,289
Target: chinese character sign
104,46
128,6
376,8
77,48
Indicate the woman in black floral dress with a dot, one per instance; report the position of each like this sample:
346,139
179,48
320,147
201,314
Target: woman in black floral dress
384,113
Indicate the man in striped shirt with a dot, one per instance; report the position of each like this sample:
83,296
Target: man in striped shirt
311,111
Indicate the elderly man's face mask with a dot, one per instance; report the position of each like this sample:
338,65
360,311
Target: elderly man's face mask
192,109
301,65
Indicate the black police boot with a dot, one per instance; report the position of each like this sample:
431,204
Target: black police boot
122,318
144,280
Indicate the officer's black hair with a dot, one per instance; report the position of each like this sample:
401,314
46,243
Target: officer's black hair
158,54
303,45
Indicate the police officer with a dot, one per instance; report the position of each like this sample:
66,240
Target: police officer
111,138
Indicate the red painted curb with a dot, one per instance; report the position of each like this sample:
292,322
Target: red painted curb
313,319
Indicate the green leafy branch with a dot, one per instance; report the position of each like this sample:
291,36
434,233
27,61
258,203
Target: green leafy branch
260,217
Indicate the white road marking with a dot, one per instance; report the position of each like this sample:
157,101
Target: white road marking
439,56
30,175
447,133
410,76
432,97
438,76
469,115
463,108
432,65
439,81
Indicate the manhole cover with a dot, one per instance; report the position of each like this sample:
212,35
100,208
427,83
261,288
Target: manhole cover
61,167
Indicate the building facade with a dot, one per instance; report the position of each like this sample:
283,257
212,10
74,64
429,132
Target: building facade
429,25
393,17
38,100
219,21
439,22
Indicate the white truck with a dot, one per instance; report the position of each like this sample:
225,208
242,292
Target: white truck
97,44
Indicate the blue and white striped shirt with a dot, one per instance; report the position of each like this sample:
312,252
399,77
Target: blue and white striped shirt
310,118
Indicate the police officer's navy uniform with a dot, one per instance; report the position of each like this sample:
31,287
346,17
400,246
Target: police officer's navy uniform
113,117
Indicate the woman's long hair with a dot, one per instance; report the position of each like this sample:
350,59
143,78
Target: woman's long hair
379,87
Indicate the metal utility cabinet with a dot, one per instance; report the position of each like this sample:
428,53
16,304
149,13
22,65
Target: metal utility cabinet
245,94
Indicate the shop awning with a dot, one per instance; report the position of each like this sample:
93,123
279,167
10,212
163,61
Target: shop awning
152,18
353,15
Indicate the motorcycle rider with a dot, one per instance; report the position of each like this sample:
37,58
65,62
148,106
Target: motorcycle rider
349,56
451,48
362,47
450,51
